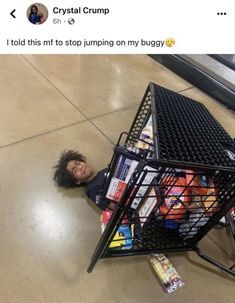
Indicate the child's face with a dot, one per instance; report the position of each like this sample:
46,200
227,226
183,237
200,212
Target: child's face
81,171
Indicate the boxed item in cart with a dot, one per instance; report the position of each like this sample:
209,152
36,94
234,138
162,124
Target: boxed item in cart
144,144
123,236
122,174
190,227
146,136
149,202
150,174
203,192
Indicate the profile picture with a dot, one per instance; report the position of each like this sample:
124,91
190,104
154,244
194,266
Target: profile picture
37,13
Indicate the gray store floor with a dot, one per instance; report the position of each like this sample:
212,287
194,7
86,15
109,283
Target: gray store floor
47,235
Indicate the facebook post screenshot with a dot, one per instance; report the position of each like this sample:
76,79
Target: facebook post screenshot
117,151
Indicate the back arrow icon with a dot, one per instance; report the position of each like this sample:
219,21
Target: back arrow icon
12,13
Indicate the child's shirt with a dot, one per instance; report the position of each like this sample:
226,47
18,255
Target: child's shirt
95,187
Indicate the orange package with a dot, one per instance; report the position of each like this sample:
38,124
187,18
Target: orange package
176,200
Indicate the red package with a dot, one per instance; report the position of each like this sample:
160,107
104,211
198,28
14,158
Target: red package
107,214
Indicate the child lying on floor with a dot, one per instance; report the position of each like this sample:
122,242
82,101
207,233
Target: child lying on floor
72,171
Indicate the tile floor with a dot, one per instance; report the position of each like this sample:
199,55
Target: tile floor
47,235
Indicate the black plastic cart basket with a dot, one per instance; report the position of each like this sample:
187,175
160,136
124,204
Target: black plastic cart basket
170,191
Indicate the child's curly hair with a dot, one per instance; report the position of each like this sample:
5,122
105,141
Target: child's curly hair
62,177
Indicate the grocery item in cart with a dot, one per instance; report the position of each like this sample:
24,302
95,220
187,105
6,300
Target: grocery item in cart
146,135
203,192
190,227
176,199
123,237
210,200
123,171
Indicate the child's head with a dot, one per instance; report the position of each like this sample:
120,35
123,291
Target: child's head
72,170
